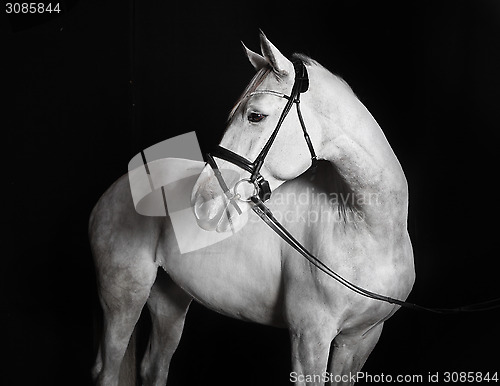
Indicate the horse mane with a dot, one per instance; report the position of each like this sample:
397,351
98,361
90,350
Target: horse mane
305,59
311,62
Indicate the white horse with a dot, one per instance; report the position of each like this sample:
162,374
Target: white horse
359,199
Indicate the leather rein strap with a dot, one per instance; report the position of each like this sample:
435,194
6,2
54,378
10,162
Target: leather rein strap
267,216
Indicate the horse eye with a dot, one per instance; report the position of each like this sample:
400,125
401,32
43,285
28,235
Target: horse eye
256,117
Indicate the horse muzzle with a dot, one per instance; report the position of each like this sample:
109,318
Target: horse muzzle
214,207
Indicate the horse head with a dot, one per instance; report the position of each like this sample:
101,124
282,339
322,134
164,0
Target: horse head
260,148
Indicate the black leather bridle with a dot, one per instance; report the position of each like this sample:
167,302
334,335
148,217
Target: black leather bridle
261,185
262,193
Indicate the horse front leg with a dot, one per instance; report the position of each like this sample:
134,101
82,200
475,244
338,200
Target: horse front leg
310,350
349,353
168,305
123,295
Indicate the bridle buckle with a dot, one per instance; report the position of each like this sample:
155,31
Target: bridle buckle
256,189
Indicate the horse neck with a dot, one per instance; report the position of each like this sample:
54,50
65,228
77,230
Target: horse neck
354,143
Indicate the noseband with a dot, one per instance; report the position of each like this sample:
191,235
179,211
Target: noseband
260,184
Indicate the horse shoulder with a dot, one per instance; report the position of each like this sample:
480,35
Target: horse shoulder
391,266
119,236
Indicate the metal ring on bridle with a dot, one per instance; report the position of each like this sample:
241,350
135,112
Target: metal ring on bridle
255,189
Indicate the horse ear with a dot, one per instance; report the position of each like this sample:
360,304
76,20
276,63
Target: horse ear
280,64
257,60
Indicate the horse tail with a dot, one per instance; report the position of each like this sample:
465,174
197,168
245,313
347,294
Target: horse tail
128,369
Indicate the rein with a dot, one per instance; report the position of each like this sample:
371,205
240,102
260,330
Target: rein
262,192
267,216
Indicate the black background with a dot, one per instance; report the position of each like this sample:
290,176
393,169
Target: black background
86,90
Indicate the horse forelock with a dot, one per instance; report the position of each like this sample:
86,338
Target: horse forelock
251,87
304,59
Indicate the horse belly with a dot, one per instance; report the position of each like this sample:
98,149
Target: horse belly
239,277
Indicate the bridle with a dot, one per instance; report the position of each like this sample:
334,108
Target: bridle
262,193
261,185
